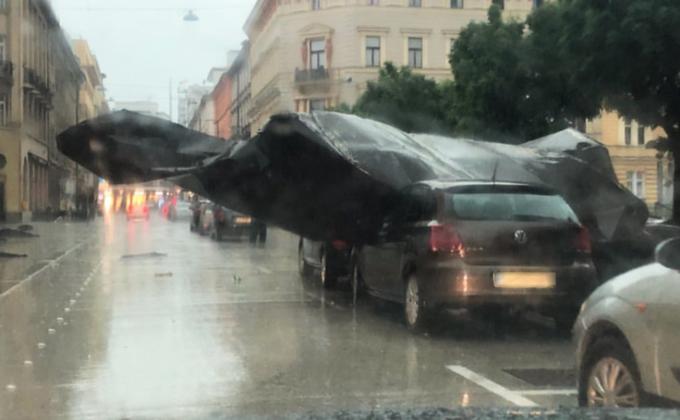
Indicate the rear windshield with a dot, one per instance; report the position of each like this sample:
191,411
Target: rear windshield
508,206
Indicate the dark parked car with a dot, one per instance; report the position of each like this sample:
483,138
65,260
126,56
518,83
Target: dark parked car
330,260
481,246
228,223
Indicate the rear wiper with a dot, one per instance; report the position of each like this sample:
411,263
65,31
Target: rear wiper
530,217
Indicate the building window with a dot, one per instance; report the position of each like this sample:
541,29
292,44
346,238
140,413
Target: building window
3,111
317,53
3,47
456,4
373,2
538,3
499,3
316,4
372,51
641,134
414,3
415,52
627,131
636,183
317,105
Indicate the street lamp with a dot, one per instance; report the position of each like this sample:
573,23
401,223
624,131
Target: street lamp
190,16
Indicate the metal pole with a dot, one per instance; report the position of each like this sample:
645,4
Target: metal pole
170,91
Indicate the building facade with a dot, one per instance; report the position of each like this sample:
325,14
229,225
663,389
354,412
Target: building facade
221,98
143,107
239,74
91,103
204,116
188,99
315,54
35,58
641,169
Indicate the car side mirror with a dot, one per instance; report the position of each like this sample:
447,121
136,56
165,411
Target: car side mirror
668,253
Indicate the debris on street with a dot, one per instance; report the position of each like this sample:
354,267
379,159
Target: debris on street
145,255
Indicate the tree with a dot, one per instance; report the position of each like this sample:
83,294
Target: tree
625,54
567,61
508,87
405,100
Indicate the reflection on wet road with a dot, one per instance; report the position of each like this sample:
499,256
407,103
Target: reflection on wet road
188,327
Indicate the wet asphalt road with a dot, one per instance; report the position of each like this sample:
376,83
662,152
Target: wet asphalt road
229,328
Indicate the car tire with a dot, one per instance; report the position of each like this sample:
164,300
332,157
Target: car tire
327,274
304,269
600,357
416,316
564,320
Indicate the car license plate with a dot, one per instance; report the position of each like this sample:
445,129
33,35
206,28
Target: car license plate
524,280
241,220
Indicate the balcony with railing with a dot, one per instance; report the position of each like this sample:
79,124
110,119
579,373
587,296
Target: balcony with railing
308,80
311,75
39,86
6,72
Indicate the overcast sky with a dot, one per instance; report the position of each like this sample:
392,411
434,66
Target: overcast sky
142,44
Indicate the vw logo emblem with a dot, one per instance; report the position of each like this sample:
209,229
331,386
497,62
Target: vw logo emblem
521,237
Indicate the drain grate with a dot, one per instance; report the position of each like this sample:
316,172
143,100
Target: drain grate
557,378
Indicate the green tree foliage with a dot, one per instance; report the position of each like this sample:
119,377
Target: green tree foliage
623,54
509,86
406,100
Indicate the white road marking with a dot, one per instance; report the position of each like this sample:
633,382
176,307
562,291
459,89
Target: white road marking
264,270
35,273
491,386
547,392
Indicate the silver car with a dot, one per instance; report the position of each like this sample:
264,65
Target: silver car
628,336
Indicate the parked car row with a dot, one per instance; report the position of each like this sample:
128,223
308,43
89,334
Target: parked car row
489,246
482,246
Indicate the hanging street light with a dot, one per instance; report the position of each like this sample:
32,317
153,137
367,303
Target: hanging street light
190,16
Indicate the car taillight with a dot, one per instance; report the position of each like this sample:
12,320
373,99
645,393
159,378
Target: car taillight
583,241
445,239
339,245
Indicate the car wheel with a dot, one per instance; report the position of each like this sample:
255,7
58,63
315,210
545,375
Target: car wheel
416,314
564,320
304,268
610,376
326,274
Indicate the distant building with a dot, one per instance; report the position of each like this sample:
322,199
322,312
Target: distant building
92,102
188,99
40,81
239,75
204,116
222,95
143,107
317,54
639,168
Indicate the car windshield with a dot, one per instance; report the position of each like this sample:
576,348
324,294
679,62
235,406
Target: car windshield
339,209
489,206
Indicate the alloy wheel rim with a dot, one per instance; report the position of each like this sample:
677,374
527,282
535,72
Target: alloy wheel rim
412,302
611,384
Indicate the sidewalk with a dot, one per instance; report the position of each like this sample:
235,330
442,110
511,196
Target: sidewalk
54,240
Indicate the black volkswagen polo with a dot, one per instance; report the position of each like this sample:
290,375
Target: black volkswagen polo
479,245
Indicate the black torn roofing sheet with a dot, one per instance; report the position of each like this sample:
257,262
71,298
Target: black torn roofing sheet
329,175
